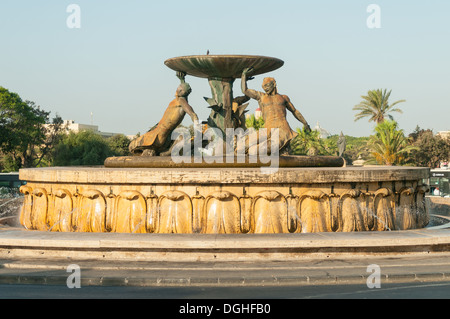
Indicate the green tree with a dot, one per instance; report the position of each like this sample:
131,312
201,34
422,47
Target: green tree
376,106
356,146
53,132
430,149
9,164
254,122
118,145
310,143
23,136
82,148
389,146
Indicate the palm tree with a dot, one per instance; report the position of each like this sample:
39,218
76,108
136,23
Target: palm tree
254,122
307,143
389,145
376,106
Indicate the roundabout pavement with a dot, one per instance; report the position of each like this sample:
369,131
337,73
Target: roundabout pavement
113,259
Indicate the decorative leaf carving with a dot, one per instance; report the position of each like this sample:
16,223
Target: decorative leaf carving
270,213
222,210
131,210
175,208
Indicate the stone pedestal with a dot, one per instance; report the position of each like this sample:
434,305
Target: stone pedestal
223,200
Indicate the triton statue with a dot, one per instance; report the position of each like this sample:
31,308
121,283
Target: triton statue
158,139
273,108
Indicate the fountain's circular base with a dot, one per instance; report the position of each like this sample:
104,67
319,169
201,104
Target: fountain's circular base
224,200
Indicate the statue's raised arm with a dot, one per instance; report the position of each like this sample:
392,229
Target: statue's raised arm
248,92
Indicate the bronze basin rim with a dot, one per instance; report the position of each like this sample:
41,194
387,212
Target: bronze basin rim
277,63
223,56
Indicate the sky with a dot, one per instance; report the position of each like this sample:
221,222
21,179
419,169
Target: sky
110,72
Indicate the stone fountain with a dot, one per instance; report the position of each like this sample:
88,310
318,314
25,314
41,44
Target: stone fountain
154,193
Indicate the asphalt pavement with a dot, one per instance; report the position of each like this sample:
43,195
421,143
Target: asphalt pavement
397,264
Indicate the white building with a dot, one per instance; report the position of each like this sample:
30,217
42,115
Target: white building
323,132
71,126
258,113
444,134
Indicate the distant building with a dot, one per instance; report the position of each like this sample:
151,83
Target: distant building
444,134
258,113
323,132
359,161
71,126
77,127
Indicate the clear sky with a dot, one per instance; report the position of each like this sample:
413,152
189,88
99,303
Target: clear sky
113,66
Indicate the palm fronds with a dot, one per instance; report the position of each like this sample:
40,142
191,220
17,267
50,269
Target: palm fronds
389,146
376,107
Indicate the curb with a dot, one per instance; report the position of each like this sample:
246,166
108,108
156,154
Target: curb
149,260
17,243
111,281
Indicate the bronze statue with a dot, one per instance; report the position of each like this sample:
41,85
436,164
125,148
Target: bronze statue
273,108
341,143
158,139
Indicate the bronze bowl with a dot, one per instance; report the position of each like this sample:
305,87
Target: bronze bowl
223,66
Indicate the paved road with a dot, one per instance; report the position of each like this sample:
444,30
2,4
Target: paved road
306,272
416,290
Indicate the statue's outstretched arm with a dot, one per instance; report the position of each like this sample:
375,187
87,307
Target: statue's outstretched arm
189,110
296,113
248,92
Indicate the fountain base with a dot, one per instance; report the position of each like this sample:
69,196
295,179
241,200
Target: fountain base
223,200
